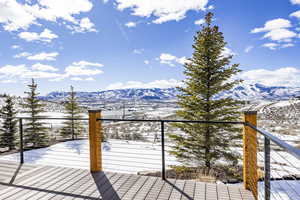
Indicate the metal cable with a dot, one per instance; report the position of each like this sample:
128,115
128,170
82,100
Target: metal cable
272,188
287,161
286,180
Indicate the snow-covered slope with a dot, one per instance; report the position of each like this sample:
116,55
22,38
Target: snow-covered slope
115,95
259,91
243,91
49,106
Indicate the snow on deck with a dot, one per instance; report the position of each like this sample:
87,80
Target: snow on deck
118,156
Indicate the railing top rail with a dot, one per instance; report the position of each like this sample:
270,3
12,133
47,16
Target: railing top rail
292,150
170,121
52,118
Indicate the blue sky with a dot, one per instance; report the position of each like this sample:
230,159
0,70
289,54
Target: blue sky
96,45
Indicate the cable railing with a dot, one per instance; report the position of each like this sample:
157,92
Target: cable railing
134,147
164,145
280,163
271,166
274,184
62,141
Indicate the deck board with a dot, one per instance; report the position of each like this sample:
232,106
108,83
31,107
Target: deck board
130,194
166,190
177,190
223,192
123,188
32,182
188,190
155,190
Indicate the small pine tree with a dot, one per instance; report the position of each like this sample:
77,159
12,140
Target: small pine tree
34,132
72,127
9,126
208,75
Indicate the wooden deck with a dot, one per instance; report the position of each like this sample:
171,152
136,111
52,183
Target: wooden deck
20,182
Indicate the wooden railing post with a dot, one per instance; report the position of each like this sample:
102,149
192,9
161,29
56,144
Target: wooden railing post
95,139
250,153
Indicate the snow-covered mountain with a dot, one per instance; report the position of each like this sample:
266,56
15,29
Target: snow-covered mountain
152,94
259,91
243,91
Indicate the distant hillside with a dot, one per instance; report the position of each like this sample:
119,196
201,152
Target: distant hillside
259,91
49,106
153,94
244,92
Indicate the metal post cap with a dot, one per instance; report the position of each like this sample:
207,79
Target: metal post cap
94,111
250,112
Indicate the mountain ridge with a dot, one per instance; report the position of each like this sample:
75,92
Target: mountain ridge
243,92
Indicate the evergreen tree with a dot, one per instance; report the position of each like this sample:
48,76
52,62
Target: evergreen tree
208,75
9,126
35,132
72,127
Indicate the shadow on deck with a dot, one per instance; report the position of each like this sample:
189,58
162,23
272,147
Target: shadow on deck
48,182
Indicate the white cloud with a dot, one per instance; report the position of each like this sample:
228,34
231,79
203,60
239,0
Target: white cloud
277,30
60,78
43,56
295,14
199,22
130,24
287,45
8,81
138,51
163,10
171,60
248,49
211,7
82,79
84,63
52,10
39,56
275,46
167,57
146,62
45,36
22,55
182,60
21,71
227,52
15,15
85,25
15,46
76,79
286,76
40,74
295,2
280,35
12,70
90,79
42,67
274,24
271,46
137,84
38,70
81,71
